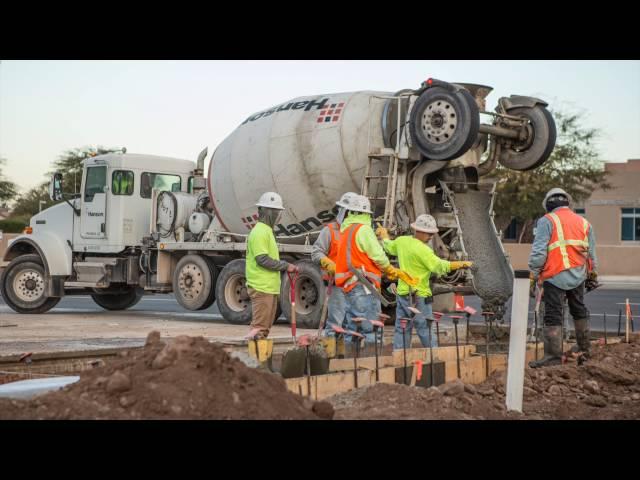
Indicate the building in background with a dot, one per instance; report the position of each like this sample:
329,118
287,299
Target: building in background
615,217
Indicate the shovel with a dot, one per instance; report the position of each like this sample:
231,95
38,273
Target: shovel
293,277
325,307
486,316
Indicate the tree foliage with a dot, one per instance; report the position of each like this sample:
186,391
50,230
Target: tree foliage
69,163
8,189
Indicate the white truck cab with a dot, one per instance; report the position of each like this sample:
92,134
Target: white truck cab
91,243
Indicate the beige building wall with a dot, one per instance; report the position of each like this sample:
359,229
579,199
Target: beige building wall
621,260
604,208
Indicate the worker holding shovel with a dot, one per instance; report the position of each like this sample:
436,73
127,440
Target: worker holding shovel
417,259
263,265
359,266
325,253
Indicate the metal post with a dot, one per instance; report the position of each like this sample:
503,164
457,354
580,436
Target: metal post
605,328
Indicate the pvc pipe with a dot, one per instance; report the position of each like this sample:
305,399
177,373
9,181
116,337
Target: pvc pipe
517,340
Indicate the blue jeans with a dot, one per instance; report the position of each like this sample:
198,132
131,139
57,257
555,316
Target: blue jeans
360,304
335,311
419,321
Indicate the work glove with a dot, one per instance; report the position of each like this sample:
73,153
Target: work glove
390,272
533,281
328,264
593,276
408,279
382,233
457,265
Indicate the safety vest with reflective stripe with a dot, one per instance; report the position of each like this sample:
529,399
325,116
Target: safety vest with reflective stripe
569,243
351,257
335,236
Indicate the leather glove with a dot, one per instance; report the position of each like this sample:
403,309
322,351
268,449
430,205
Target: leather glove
382,233
457,265
593,276
328,264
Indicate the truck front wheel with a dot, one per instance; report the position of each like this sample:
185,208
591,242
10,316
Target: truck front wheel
118,301
23,286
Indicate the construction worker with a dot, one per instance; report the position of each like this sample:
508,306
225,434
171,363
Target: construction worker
417,259
263,264
359,266
563,256
325,253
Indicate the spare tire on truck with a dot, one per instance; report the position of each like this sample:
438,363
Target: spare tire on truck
118,299
444,124
537,147
310,295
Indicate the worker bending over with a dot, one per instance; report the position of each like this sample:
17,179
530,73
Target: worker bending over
417,259
360,263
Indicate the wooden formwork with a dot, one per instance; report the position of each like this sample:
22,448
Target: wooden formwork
342,379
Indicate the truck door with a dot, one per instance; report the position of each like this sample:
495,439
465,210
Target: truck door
94,203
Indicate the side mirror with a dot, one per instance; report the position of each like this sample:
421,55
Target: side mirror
55,187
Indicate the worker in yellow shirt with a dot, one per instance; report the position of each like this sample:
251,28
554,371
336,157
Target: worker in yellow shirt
263,264
417,259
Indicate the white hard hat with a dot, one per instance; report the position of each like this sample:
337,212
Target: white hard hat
347,199
425,223
270,200
551,193
356,203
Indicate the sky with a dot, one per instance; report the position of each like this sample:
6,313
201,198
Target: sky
176,108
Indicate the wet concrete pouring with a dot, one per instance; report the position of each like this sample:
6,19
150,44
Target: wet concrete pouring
191,378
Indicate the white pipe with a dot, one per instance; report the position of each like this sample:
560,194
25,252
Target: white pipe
517,340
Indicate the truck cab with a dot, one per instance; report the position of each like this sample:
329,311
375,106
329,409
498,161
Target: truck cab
91,243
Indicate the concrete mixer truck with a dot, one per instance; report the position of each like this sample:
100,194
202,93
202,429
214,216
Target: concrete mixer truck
144,224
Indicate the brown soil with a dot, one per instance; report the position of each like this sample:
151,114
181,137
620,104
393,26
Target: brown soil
605,387
188,378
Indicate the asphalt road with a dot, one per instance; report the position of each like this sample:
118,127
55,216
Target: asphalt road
601,301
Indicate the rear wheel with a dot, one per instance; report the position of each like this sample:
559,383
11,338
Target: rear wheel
231,291
120,300
23,286
194,282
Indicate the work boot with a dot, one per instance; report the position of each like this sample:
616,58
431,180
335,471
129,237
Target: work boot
552,338
583,335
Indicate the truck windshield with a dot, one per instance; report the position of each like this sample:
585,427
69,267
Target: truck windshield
95,182
158,181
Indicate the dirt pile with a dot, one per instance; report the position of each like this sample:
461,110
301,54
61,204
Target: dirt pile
188,378
605,387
